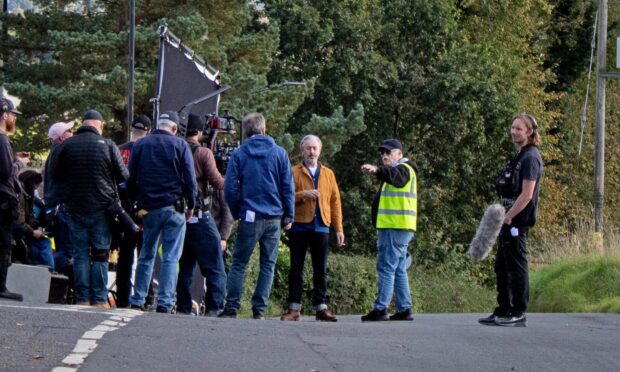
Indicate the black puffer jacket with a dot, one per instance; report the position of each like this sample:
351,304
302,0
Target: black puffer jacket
88,165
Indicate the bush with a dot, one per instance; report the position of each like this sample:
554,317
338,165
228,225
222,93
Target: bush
585,284
352,287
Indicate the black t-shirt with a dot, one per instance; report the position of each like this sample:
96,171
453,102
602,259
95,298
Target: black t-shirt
526,165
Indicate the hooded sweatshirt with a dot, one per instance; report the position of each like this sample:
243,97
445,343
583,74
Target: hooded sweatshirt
259,182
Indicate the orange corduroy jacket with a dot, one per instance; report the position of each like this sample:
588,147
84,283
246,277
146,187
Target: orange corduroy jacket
329,197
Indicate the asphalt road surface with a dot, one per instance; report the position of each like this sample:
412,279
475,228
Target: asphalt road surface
68,338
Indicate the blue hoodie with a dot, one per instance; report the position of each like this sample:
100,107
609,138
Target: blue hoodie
259,179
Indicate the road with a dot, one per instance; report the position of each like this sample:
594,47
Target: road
68,338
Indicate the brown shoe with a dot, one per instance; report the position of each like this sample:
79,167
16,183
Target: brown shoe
326,316
291,315
83,303
102,306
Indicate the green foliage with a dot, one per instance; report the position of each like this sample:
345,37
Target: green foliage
352,287
586,284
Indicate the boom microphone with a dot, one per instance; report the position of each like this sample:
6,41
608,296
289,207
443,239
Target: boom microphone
488,230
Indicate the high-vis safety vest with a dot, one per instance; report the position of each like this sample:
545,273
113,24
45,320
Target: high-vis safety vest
398,206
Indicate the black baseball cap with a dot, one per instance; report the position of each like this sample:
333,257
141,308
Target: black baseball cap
92,115
170,117
391,144
6,105
141,122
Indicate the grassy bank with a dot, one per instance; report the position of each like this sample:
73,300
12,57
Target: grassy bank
582,284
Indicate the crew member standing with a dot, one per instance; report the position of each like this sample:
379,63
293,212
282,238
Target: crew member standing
518,186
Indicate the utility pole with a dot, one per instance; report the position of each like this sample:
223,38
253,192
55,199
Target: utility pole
132,41
599,165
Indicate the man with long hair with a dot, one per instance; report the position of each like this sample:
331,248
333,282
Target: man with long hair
518,186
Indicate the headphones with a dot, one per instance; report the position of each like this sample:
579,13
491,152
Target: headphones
533,120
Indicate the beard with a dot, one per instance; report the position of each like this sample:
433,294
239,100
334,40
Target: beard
10,126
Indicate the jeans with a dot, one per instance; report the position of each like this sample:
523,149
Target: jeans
41,252
170,226
62,238
202,245
299,242
511,271
90,234
267,234
392,269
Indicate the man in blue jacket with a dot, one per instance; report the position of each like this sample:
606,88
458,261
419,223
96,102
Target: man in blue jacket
163,182
260,193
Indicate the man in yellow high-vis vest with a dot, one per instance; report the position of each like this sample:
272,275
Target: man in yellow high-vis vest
394,213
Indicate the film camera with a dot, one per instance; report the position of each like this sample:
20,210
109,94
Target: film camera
212,128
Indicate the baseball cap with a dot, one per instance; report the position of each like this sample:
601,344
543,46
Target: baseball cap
92,115
170,117
141,122
391,144
57,129
6,105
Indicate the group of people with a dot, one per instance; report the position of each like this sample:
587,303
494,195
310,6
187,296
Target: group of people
171,187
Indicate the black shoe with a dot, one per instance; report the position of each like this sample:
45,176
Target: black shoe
403,315
163,310
489,320
228,313
212,313
258,315
6,294
375,316
137,307
512,321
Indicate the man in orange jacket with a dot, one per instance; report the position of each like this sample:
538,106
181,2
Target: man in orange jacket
317,207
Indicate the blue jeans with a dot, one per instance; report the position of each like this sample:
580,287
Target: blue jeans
90,234
202,245
62,238
392,269
170,226
267,234
41,252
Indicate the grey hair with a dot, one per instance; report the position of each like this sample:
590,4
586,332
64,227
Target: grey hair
309,137
253,123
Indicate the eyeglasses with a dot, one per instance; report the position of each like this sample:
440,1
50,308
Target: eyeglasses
385,152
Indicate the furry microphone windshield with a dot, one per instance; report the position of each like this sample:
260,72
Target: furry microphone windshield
487,232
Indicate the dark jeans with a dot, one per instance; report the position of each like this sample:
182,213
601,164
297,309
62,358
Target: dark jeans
511,270
299,242
90,234
202,244
62,239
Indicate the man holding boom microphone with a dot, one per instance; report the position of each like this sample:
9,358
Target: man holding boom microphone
518,186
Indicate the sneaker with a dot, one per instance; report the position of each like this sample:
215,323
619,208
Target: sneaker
6,294
228,313
212,313
402,315
291,315
489,320
258,315
163,310
375,316
512,321
325,316
137,307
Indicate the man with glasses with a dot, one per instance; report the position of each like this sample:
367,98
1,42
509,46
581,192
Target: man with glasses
394,212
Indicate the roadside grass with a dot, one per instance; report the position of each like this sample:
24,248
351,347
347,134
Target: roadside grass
581,284
579,272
